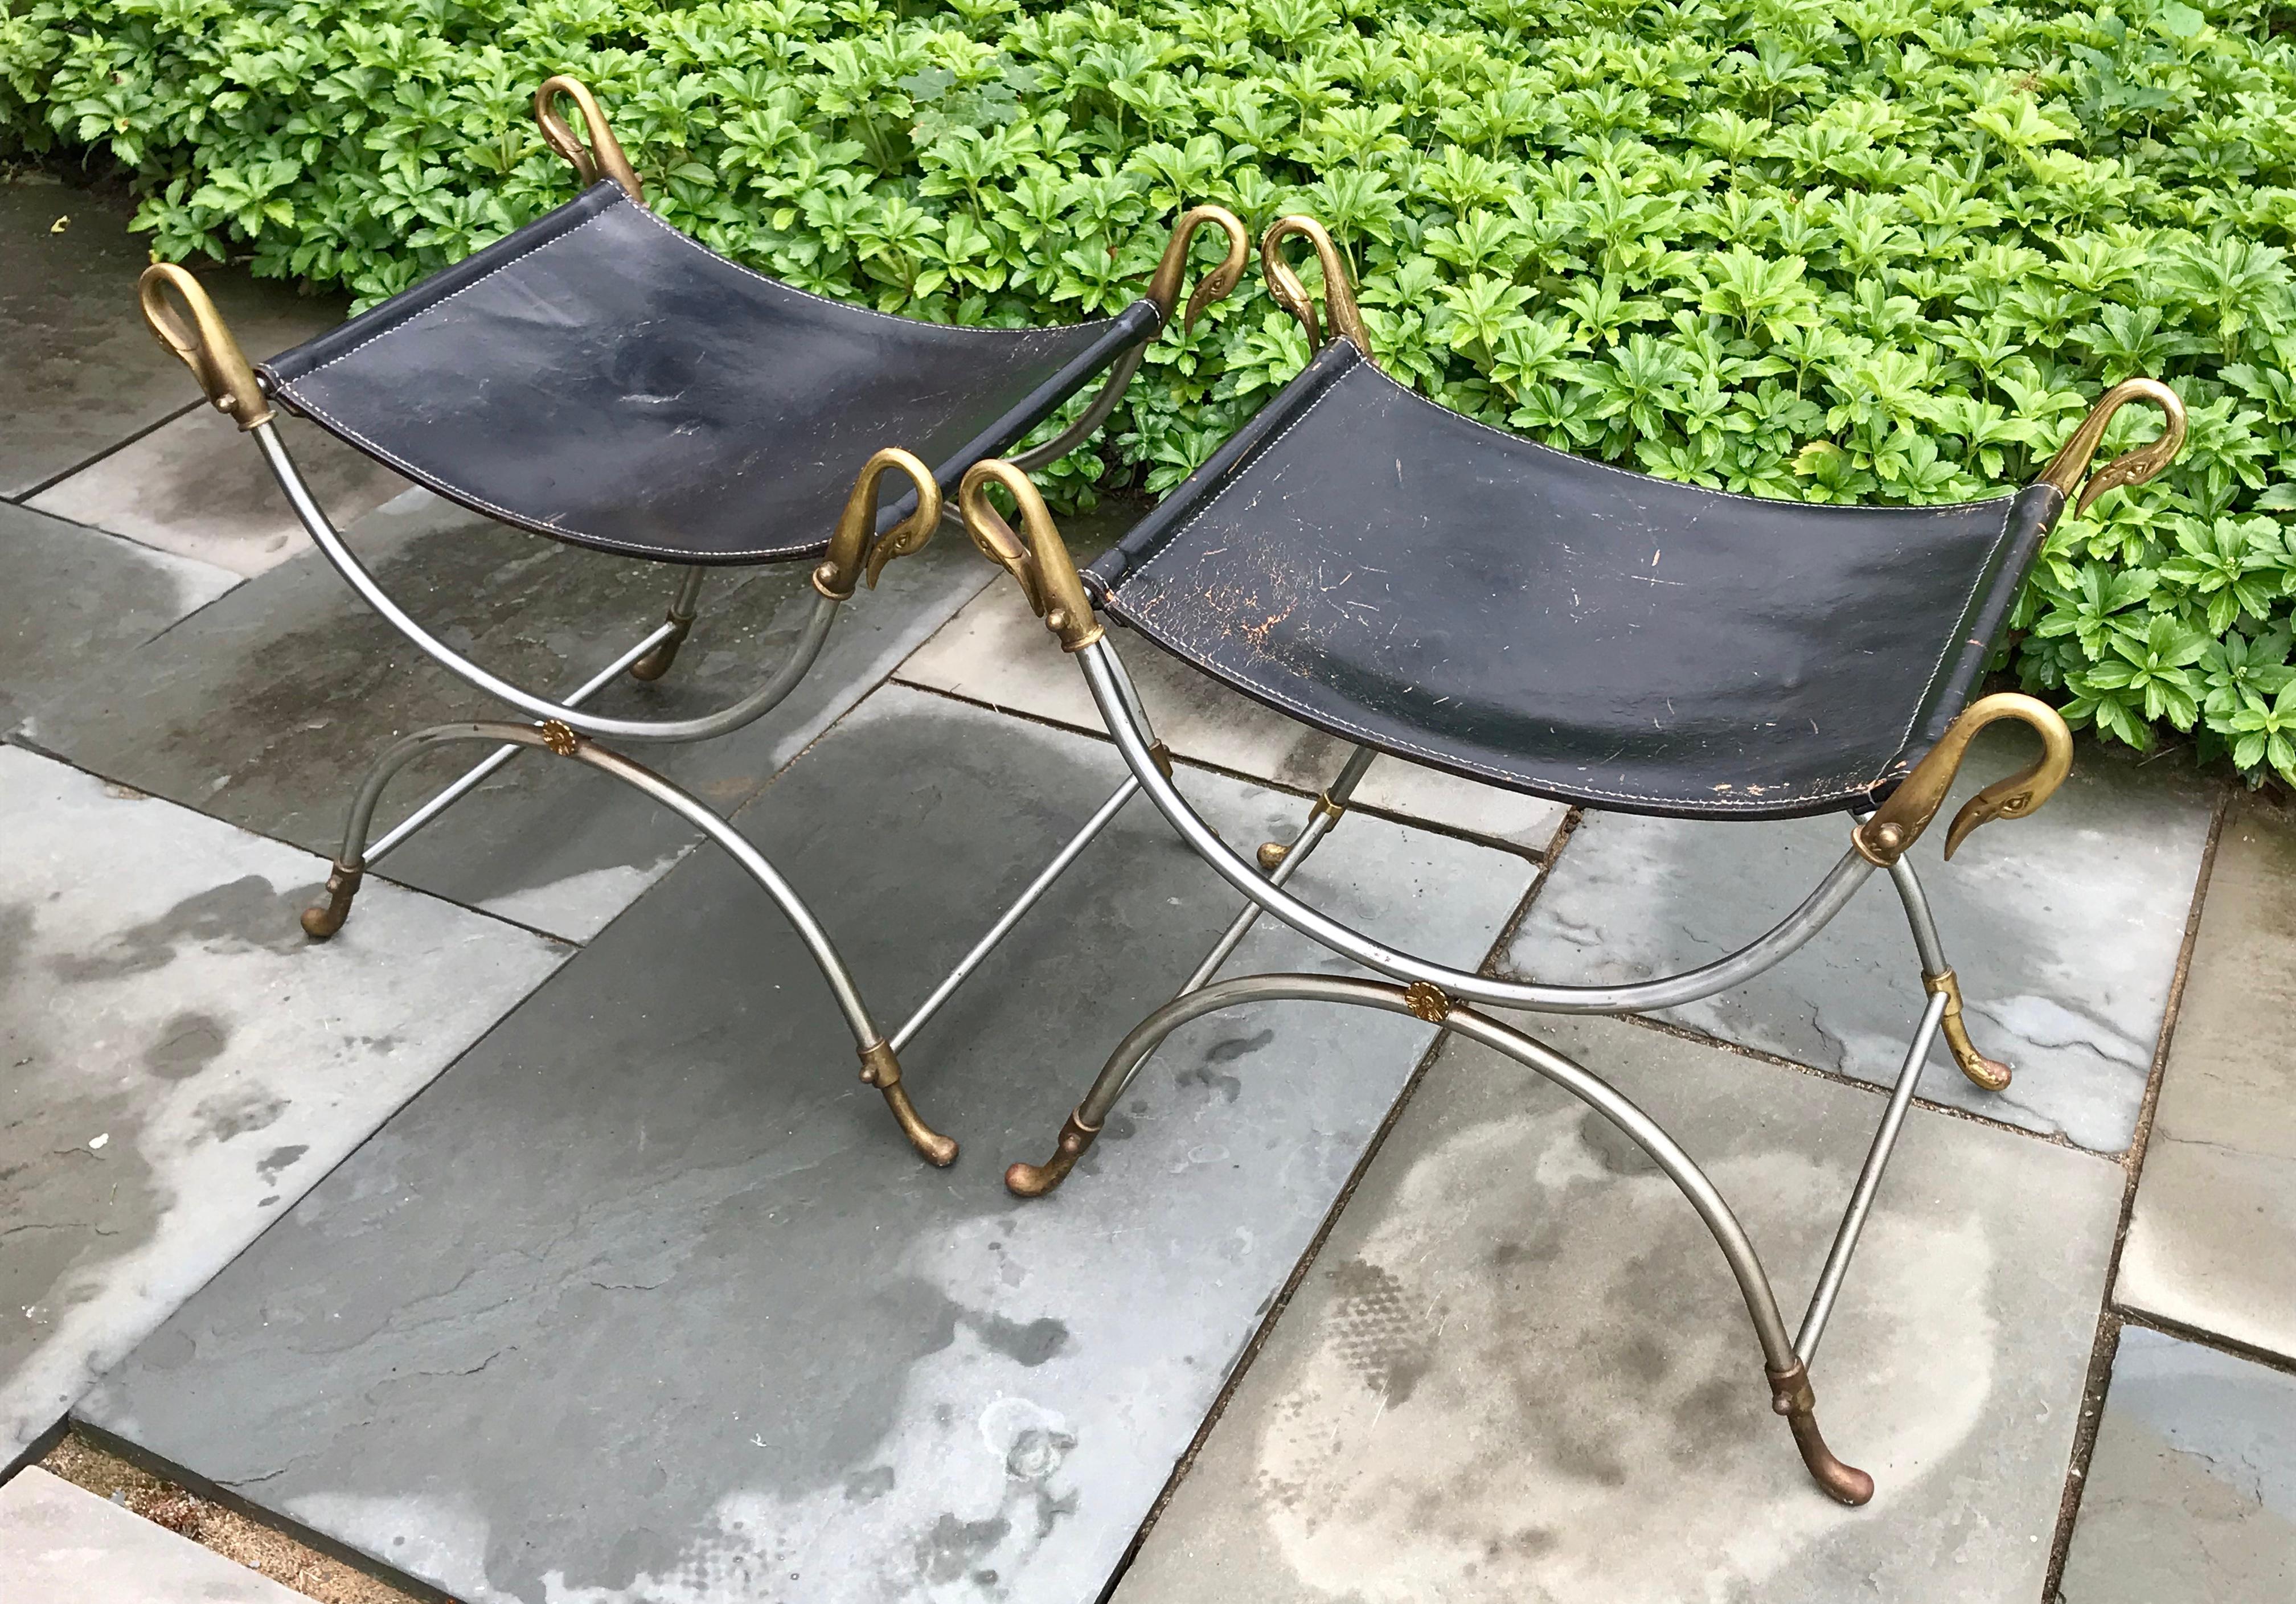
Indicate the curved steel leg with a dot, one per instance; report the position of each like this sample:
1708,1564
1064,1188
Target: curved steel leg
683,609
730,717
1790,1389
879,1068
1939,981
1111,693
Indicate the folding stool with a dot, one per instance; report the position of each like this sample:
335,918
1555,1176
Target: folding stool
1382,568
601,379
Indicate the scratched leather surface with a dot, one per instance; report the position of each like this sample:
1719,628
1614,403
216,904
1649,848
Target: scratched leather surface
600,377
1395,573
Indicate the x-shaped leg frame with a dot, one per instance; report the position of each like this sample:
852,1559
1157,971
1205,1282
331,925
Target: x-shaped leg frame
856,550
1455,999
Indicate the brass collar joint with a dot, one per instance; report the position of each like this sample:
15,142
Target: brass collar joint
1880,847
879,1067
1426,1001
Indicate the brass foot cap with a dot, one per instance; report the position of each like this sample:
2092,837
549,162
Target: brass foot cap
656,662
1034,1180
1271,855
880,1069
1988,1075
323,920
937,1150
1791,1396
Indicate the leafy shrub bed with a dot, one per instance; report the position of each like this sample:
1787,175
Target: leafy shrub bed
1873,249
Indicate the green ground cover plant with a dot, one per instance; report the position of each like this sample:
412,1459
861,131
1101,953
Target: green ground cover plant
1825,249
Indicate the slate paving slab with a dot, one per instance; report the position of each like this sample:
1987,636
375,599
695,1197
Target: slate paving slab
198,487
84,371
996,652
646,1299
2212,1240
2065,929
60,1544
1520,1371
268,707
180,1064
78,598
2191,1493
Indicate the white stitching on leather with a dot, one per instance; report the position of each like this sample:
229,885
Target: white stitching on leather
909,323
620,199
287,389
1452,759
503,266
1633,473
1212,500
1951,638
525,522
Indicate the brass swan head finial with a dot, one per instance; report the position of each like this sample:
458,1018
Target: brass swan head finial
857,551
2070,464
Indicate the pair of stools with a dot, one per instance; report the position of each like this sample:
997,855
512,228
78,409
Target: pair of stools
1355,557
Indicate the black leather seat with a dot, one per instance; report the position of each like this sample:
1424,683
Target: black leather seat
1383,568
601,379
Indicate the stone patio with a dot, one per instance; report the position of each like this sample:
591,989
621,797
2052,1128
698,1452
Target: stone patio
65,1546
1432,1420
533,1241
2190,1495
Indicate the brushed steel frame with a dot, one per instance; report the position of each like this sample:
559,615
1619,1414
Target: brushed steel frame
567,731
184,320
1449,998
1452,999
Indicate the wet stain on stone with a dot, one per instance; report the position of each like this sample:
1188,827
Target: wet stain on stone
1036,1453
1232,1048
951,1549
167,1349
15,936
1522,1257
235,1113
1716,1408
277,1159
1645,1357
69,1210
245,913
1225,1051
1372,1328
1030,1343
1051,1508
188,1043
1574,1452
1528,1544
867,1486
1616,1151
